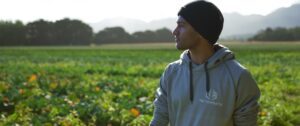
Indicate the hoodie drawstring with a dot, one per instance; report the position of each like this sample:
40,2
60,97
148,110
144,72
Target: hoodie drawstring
191,80
191,83
207,77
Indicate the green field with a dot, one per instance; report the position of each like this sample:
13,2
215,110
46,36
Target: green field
115,84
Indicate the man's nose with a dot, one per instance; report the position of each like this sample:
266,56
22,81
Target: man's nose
175,31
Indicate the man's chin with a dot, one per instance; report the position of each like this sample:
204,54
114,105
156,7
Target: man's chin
179,47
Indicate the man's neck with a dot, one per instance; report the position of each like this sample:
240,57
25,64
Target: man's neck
201,54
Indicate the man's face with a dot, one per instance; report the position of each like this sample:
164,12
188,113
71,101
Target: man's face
185,35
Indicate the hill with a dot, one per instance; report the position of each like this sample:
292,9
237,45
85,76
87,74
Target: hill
235,23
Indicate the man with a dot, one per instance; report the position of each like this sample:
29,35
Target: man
206,86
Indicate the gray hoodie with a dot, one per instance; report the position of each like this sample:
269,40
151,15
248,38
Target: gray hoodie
219,92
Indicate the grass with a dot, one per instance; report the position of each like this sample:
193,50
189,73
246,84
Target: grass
115,84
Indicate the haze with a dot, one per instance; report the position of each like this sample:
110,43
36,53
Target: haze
92,11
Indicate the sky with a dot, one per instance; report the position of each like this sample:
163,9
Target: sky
92,11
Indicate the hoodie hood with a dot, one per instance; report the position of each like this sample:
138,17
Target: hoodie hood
221,55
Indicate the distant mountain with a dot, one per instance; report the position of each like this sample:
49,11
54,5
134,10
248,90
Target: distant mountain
235,24
289,17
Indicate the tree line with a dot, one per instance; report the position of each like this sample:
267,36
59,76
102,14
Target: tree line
72,32
75,32
278,34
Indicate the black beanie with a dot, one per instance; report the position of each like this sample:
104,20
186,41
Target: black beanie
205,18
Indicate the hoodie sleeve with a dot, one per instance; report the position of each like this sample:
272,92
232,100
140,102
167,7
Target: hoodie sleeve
161,115
247,101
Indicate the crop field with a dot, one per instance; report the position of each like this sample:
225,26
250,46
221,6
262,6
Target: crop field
112,85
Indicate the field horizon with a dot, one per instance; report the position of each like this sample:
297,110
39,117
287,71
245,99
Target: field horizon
162,45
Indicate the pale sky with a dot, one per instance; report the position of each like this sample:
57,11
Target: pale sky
91,11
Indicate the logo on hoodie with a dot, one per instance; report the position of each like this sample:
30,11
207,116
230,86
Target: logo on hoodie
212,95
211,98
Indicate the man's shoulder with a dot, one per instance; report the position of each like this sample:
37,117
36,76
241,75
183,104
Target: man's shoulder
235,66
176,62
235,69
173,66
